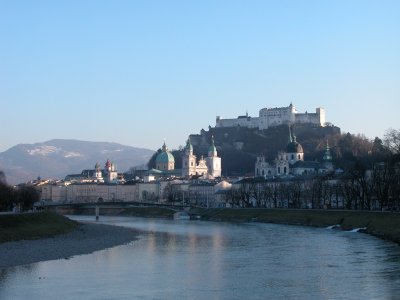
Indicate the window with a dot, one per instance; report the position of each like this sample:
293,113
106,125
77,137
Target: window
298,156
279,170
284,170
292,156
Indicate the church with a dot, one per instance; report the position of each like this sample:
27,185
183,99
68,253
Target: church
291,162
205,168
108,175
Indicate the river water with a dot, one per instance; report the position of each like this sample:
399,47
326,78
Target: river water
210,260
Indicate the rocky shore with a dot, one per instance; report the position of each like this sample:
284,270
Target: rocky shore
87,238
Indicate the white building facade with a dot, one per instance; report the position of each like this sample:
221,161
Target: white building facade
209,167
270,117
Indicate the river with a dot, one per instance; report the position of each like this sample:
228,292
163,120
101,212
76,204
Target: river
211,260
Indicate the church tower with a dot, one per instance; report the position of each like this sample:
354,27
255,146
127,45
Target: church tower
97,173
294,150
110,171
213,161
188,161
327,159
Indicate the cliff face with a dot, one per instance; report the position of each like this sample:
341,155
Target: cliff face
238,147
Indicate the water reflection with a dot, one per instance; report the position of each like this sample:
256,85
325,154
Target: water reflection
198,260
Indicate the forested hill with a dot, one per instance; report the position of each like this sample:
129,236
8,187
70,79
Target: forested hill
238,147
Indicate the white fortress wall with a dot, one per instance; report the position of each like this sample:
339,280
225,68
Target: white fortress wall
269,117
307,118
317,118
248,122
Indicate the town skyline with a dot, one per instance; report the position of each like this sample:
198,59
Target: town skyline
139,73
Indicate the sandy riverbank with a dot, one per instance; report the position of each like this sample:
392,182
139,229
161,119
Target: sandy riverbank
87,238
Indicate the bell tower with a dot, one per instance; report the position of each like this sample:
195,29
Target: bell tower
213,161
188,160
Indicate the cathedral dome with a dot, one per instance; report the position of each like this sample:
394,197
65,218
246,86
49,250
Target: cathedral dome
165,157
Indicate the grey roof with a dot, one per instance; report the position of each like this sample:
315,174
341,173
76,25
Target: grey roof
306,165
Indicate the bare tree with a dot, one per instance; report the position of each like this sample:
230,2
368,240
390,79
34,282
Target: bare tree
27,196
3,178
392,140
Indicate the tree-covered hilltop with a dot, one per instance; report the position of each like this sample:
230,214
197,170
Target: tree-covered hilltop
238,146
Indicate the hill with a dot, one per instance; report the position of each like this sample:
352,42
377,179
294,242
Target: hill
57,158
239,146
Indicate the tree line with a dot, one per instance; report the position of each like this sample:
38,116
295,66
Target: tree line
368,182
21,197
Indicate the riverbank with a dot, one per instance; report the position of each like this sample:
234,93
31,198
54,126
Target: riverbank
385,225
31,226
81,238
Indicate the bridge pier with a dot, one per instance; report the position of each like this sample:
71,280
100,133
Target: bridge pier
97,212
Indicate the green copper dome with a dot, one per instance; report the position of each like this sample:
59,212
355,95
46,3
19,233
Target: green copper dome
165,157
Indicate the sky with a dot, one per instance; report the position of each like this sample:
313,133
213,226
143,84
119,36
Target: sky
139,72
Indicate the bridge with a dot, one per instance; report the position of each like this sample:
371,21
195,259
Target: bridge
107,208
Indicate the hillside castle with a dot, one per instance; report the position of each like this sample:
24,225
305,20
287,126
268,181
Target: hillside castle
270,117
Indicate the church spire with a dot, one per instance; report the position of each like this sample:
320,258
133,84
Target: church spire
212,151
327,155
189,147
164,147
290,136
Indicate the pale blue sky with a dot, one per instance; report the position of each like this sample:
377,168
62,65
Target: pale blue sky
136,72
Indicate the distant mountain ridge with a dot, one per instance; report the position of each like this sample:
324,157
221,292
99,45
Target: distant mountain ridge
60,157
